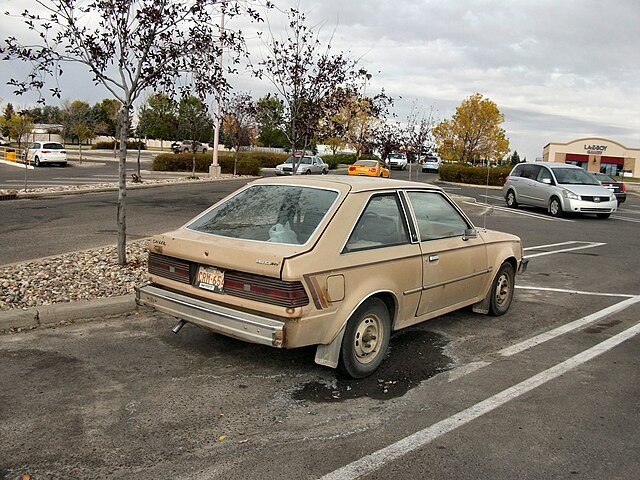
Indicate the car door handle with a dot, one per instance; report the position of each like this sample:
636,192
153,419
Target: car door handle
434,258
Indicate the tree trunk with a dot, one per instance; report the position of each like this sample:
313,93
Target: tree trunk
122,187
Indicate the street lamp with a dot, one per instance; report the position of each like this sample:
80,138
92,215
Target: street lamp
215,170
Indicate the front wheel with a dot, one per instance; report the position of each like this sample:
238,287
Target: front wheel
555,209
365,340
502,290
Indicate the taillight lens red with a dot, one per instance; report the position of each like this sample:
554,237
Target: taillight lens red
623,188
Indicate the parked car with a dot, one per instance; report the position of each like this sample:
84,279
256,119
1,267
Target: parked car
190,145
430,163
558,187
397,161
305,165
369,168
618,188
40,153
339,262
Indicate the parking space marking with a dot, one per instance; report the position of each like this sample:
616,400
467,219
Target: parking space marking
520,212
568,327
581,246
399,449
575,292
625,219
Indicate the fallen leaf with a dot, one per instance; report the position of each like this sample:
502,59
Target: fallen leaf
222,438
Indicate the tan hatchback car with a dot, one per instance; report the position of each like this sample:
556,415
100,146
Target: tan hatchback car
339,262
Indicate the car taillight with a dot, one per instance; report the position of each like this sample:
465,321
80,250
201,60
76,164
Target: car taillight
352,169
623,188
373,169
46,151
505,180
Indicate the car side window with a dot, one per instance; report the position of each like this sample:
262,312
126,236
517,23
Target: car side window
436,217
544,176
380,225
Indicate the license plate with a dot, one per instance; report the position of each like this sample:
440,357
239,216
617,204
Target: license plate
210,279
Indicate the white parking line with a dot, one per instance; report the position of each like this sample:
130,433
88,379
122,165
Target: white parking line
626,219
576,324
520,212
376,460
575,292
581,246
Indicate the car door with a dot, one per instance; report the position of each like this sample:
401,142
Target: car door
454,259
526,187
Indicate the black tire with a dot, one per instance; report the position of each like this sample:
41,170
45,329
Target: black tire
555,207
365,340
36,161
308,172
511,199
324,171
502,290
603,215
63,164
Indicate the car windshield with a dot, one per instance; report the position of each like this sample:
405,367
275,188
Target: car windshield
603,178
53,146
367,163
574,176
268,213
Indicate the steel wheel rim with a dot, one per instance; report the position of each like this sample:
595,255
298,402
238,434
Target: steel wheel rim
367,339
555,207
503,290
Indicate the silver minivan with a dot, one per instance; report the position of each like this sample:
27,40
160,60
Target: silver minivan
558,187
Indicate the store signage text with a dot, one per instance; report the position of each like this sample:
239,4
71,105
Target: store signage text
595,149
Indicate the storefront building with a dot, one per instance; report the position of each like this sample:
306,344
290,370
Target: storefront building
596,155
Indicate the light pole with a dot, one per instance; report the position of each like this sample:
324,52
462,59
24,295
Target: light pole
215,170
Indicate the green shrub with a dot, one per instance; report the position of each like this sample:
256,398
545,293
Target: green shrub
182,162
131,145
459,173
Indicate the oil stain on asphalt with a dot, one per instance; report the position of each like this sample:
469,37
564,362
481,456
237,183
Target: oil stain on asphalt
414,356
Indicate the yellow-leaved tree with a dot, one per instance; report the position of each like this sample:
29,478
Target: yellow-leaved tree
473,134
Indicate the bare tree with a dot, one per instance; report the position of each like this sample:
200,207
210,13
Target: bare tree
418,135
304,76
128,46
239,122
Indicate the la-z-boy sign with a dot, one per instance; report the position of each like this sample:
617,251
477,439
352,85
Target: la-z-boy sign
595,149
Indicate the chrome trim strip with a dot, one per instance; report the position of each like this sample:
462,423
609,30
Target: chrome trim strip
234,323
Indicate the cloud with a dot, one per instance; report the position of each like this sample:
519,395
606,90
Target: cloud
557,70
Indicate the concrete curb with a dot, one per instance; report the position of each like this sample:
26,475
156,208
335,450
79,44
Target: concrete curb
62,313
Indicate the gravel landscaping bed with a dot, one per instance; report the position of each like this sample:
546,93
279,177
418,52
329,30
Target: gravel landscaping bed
73,276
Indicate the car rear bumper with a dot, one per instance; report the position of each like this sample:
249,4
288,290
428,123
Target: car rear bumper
226,321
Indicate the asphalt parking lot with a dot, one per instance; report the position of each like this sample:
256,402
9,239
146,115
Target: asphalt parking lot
550,390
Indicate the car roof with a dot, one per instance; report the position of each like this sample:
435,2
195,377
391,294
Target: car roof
552,165
349,182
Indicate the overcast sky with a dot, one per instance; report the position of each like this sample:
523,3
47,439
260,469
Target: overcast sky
557,70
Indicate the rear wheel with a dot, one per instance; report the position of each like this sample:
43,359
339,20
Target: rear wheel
308,172
511,199
36,161
365,340
502,290
555,208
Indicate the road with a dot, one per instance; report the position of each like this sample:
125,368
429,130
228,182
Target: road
550,390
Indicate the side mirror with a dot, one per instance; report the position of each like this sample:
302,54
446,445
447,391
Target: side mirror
469,233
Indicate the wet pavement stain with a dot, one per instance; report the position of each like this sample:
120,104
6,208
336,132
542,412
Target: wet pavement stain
414,356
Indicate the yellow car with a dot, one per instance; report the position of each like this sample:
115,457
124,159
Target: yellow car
370,168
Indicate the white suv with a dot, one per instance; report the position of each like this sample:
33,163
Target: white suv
558,187
397,160
47,152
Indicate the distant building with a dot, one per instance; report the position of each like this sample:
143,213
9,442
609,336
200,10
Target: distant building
595,154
